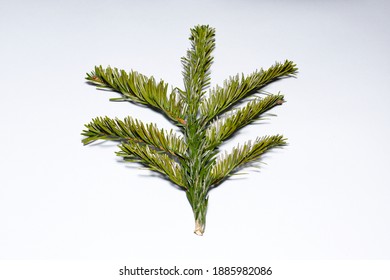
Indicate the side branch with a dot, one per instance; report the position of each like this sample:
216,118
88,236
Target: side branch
152,159
237,88
243,155
136,131
222,129
137,88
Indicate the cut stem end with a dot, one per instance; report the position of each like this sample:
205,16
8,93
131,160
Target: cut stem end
199,228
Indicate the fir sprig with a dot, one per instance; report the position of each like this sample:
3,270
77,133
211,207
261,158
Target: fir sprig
253,111
137,88
236,88
192,160
134,152
242,155
134,130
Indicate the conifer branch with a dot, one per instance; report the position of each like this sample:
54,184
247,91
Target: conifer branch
155,161
190,161
223,128
243,155
134,130
237,88
137,88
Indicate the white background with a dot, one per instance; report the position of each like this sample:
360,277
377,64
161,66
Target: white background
325,196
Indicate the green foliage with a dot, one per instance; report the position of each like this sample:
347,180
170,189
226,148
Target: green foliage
134,130
237,88
243,155
196,64
139,89
162,163
222,129
191,160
